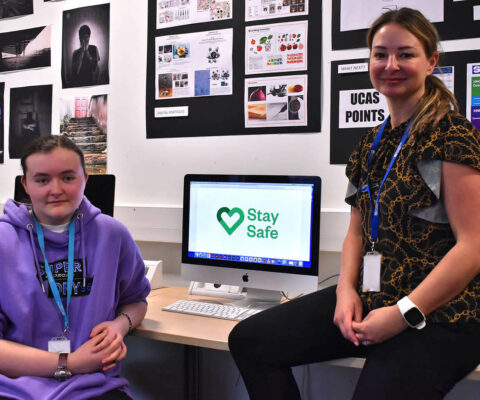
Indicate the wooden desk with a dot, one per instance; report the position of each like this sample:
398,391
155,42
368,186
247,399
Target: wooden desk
198,331
192,330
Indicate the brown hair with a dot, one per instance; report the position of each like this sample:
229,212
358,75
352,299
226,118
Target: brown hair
437,100
46,144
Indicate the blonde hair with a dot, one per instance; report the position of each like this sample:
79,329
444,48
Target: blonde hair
437,100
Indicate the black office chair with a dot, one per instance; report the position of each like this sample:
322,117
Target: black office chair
100,190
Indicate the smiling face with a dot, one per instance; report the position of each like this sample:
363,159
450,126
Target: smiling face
55,181
399,65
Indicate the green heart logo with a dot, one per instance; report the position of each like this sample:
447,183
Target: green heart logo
233,225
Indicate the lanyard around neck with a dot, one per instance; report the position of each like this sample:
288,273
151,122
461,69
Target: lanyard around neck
374,216
70,268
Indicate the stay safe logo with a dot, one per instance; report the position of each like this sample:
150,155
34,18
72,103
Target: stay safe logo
231,219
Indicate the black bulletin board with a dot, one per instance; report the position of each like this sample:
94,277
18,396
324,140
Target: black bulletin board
344,141
224,115
458,24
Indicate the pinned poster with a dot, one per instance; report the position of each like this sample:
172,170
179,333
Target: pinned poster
276,101
260,9
194,64
276,47
473,94
184,12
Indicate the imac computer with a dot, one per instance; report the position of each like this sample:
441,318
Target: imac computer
255,232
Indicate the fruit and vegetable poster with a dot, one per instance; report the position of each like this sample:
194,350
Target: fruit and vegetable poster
184,12
276,101
276,47
194,64
266,9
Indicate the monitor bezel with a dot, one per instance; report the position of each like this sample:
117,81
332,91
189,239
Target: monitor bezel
286,179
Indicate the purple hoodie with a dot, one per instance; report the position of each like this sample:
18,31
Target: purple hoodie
115,276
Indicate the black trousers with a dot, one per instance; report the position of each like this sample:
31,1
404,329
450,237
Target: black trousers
416,364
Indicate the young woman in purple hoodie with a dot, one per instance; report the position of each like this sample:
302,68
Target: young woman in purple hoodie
73,285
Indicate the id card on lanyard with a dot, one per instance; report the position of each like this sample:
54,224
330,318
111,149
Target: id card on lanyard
372,260
59,344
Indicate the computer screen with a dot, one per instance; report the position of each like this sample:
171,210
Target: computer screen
253,231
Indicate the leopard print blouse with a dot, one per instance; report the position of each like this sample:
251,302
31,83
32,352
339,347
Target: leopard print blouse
412,238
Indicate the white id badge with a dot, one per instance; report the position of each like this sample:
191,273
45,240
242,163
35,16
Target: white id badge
371,271
59,345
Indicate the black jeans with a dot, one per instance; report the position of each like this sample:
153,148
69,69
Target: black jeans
416,364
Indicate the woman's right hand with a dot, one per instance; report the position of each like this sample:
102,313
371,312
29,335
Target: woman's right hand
89,356
349,308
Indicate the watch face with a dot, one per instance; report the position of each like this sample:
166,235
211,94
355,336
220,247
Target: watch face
62,374
414,316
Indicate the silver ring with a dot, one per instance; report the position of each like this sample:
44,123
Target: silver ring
366,342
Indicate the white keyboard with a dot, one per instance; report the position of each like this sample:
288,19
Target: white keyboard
214,310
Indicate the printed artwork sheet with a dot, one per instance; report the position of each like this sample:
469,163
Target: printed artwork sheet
473,94
446,75
184,12
194,64
354,14
276,47
265,9
276,101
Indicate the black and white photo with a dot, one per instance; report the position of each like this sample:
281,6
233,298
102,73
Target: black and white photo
30,116
25,49
85,46
15,8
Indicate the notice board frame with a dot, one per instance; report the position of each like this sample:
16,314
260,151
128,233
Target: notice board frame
224,115
449,29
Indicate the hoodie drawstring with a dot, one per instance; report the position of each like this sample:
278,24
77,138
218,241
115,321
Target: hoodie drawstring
80,218
35,257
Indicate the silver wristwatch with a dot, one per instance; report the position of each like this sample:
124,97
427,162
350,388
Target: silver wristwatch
62,373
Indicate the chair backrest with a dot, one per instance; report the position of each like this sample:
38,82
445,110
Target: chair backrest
100,190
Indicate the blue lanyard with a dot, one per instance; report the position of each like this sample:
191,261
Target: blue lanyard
374,217
70,268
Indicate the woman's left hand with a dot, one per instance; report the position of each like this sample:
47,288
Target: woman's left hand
379,325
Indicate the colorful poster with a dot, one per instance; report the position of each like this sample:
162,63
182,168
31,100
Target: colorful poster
354,14
265,9
276,47
473,94
194,64
184,12
276,101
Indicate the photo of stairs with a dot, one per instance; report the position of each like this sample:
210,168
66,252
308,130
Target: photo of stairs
85,133
84,121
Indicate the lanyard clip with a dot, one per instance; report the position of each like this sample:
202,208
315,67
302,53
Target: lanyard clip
372,243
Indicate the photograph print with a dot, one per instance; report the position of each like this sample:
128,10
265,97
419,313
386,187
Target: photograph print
15,8
25,49
85,46
30,116
83,119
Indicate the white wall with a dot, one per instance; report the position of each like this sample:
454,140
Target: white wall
150,172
